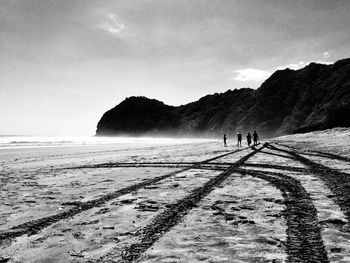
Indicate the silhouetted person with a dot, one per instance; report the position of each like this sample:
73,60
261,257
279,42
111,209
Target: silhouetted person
239,139
225,145
255,138
249,139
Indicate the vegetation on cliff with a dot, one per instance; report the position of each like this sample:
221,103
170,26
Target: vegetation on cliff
315,97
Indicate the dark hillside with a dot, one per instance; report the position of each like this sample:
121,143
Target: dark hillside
137,115
312,98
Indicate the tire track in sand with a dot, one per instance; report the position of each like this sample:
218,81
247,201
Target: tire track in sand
317,153
35,226
338,182
304,239
163,222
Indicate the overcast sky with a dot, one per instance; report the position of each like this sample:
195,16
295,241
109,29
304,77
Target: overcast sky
63,63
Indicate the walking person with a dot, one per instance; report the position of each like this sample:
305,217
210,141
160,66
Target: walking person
239,139
249,138
255,138
225,145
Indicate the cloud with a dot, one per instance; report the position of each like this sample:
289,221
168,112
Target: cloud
294,66
303,64
326,55
250,74
113,26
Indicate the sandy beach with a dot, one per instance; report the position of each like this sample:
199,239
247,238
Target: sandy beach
285,200
115,117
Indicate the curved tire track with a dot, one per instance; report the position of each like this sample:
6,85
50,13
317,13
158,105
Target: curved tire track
34,226
317,153
171,216
304,240
338,182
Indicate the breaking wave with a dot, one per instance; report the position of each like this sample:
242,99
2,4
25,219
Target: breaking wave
50,141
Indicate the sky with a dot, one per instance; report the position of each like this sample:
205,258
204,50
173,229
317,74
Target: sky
63,63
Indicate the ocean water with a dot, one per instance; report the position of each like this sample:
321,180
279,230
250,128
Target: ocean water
14,141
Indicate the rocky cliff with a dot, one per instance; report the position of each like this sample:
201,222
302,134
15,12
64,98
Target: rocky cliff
315,97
